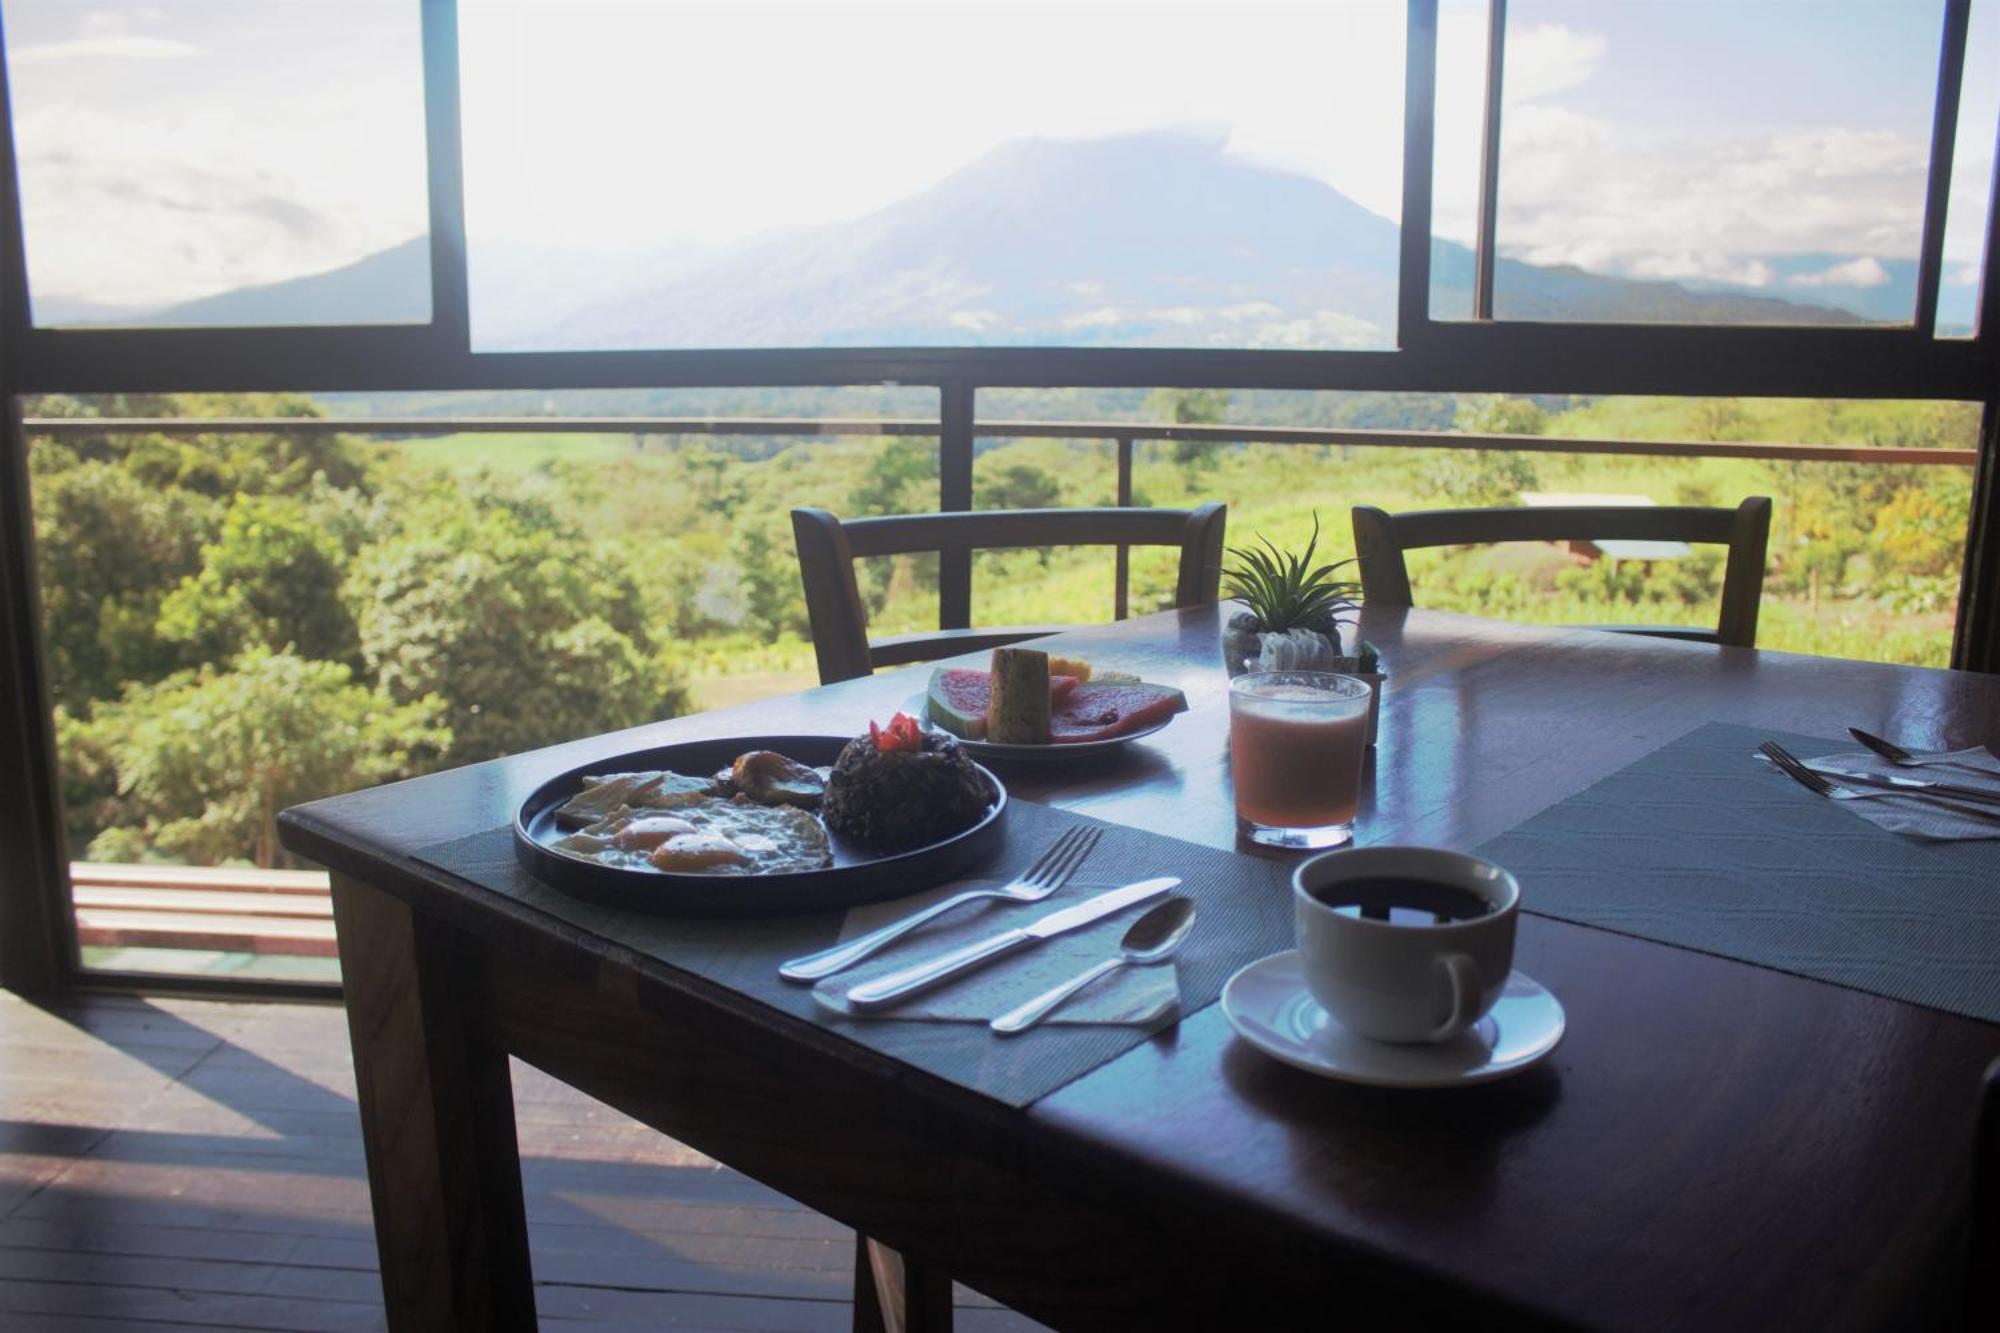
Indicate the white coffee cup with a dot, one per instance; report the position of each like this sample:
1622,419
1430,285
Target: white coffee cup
1405,973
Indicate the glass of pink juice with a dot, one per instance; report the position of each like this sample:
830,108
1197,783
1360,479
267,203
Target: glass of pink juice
1296,740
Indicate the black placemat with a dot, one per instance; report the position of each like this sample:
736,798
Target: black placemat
1245,913
1703,845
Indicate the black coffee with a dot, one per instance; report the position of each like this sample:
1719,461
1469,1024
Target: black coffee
1403,902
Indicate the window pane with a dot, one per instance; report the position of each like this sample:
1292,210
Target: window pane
1756,163
221,162
1971,175
1102,172
1460,125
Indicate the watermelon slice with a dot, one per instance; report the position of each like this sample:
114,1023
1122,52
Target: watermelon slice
958,697
1100,712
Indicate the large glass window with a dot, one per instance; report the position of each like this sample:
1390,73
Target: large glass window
962,172
221,162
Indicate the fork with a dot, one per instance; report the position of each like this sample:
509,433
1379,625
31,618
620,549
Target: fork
1902,758
1049,872
1795,769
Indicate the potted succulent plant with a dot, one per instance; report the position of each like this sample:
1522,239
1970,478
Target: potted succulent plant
1294,616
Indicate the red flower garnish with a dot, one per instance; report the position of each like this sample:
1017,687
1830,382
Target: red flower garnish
902,733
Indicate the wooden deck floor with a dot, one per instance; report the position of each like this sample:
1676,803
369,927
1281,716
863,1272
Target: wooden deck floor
176,1163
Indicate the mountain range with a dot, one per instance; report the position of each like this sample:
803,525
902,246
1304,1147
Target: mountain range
1153,240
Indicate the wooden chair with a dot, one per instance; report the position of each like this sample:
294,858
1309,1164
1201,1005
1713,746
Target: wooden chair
829,546
1381,538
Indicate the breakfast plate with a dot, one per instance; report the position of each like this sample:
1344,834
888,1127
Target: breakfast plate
1268,1005
856,874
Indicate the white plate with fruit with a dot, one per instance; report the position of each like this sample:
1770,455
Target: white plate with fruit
1031,706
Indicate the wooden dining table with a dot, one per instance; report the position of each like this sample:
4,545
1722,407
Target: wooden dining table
1715,1145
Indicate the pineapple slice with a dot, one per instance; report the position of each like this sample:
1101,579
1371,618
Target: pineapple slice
1070,666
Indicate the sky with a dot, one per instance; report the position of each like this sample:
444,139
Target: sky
181,147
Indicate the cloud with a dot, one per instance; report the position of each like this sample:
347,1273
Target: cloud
1578,190
1549,58
112,46
1636,193
1866,271
124,211
1093,319
1542,60
1317,329
1696,266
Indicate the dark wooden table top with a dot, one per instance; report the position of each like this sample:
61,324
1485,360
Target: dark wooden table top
1715,1144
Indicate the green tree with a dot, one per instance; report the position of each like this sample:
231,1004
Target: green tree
222,465
109,548
207,758
1921,530
527,632
272,578
1190,407
1018,486
773,598
1498,414
1718,418
1487,476
901,477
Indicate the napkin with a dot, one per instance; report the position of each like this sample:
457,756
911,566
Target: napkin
1924,815
1130,996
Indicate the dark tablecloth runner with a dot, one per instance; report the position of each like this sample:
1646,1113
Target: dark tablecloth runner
1245,913
1703,845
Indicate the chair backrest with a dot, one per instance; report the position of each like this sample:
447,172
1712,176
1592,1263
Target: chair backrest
828,547
1381,538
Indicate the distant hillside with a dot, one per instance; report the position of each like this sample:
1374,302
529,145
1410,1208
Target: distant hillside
1141,240
1149,240
392,286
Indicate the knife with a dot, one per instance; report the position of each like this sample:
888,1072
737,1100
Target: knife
1884,780
895,986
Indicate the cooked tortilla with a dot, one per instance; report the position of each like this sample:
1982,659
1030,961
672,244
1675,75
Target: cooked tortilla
602,796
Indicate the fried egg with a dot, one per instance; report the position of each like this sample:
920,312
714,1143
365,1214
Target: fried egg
705,836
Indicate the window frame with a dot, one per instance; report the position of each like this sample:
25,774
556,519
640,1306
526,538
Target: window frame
1440,355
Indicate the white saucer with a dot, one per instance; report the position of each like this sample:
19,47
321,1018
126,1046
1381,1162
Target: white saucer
1269,1007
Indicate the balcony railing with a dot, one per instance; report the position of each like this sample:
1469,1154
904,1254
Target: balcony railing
955,472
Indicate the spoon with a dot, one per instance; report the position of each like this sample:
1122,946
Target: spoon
1153,938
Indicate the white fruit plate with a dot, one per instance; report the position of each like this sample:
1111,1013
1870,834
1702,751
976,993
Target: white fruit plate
989,752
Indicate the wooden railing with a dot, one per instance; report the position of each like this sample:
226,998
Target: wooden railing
225,909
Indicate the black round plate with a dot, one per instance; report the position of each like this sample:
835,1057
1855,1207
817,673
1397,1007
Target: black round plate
856,875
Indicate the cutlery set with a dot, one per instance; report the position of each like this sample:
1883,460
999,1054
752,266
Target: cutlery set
1153,938
1845,784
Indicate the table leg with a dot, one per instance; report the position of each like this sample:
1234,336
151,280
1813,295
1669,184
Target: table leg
894,1295
437,1117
